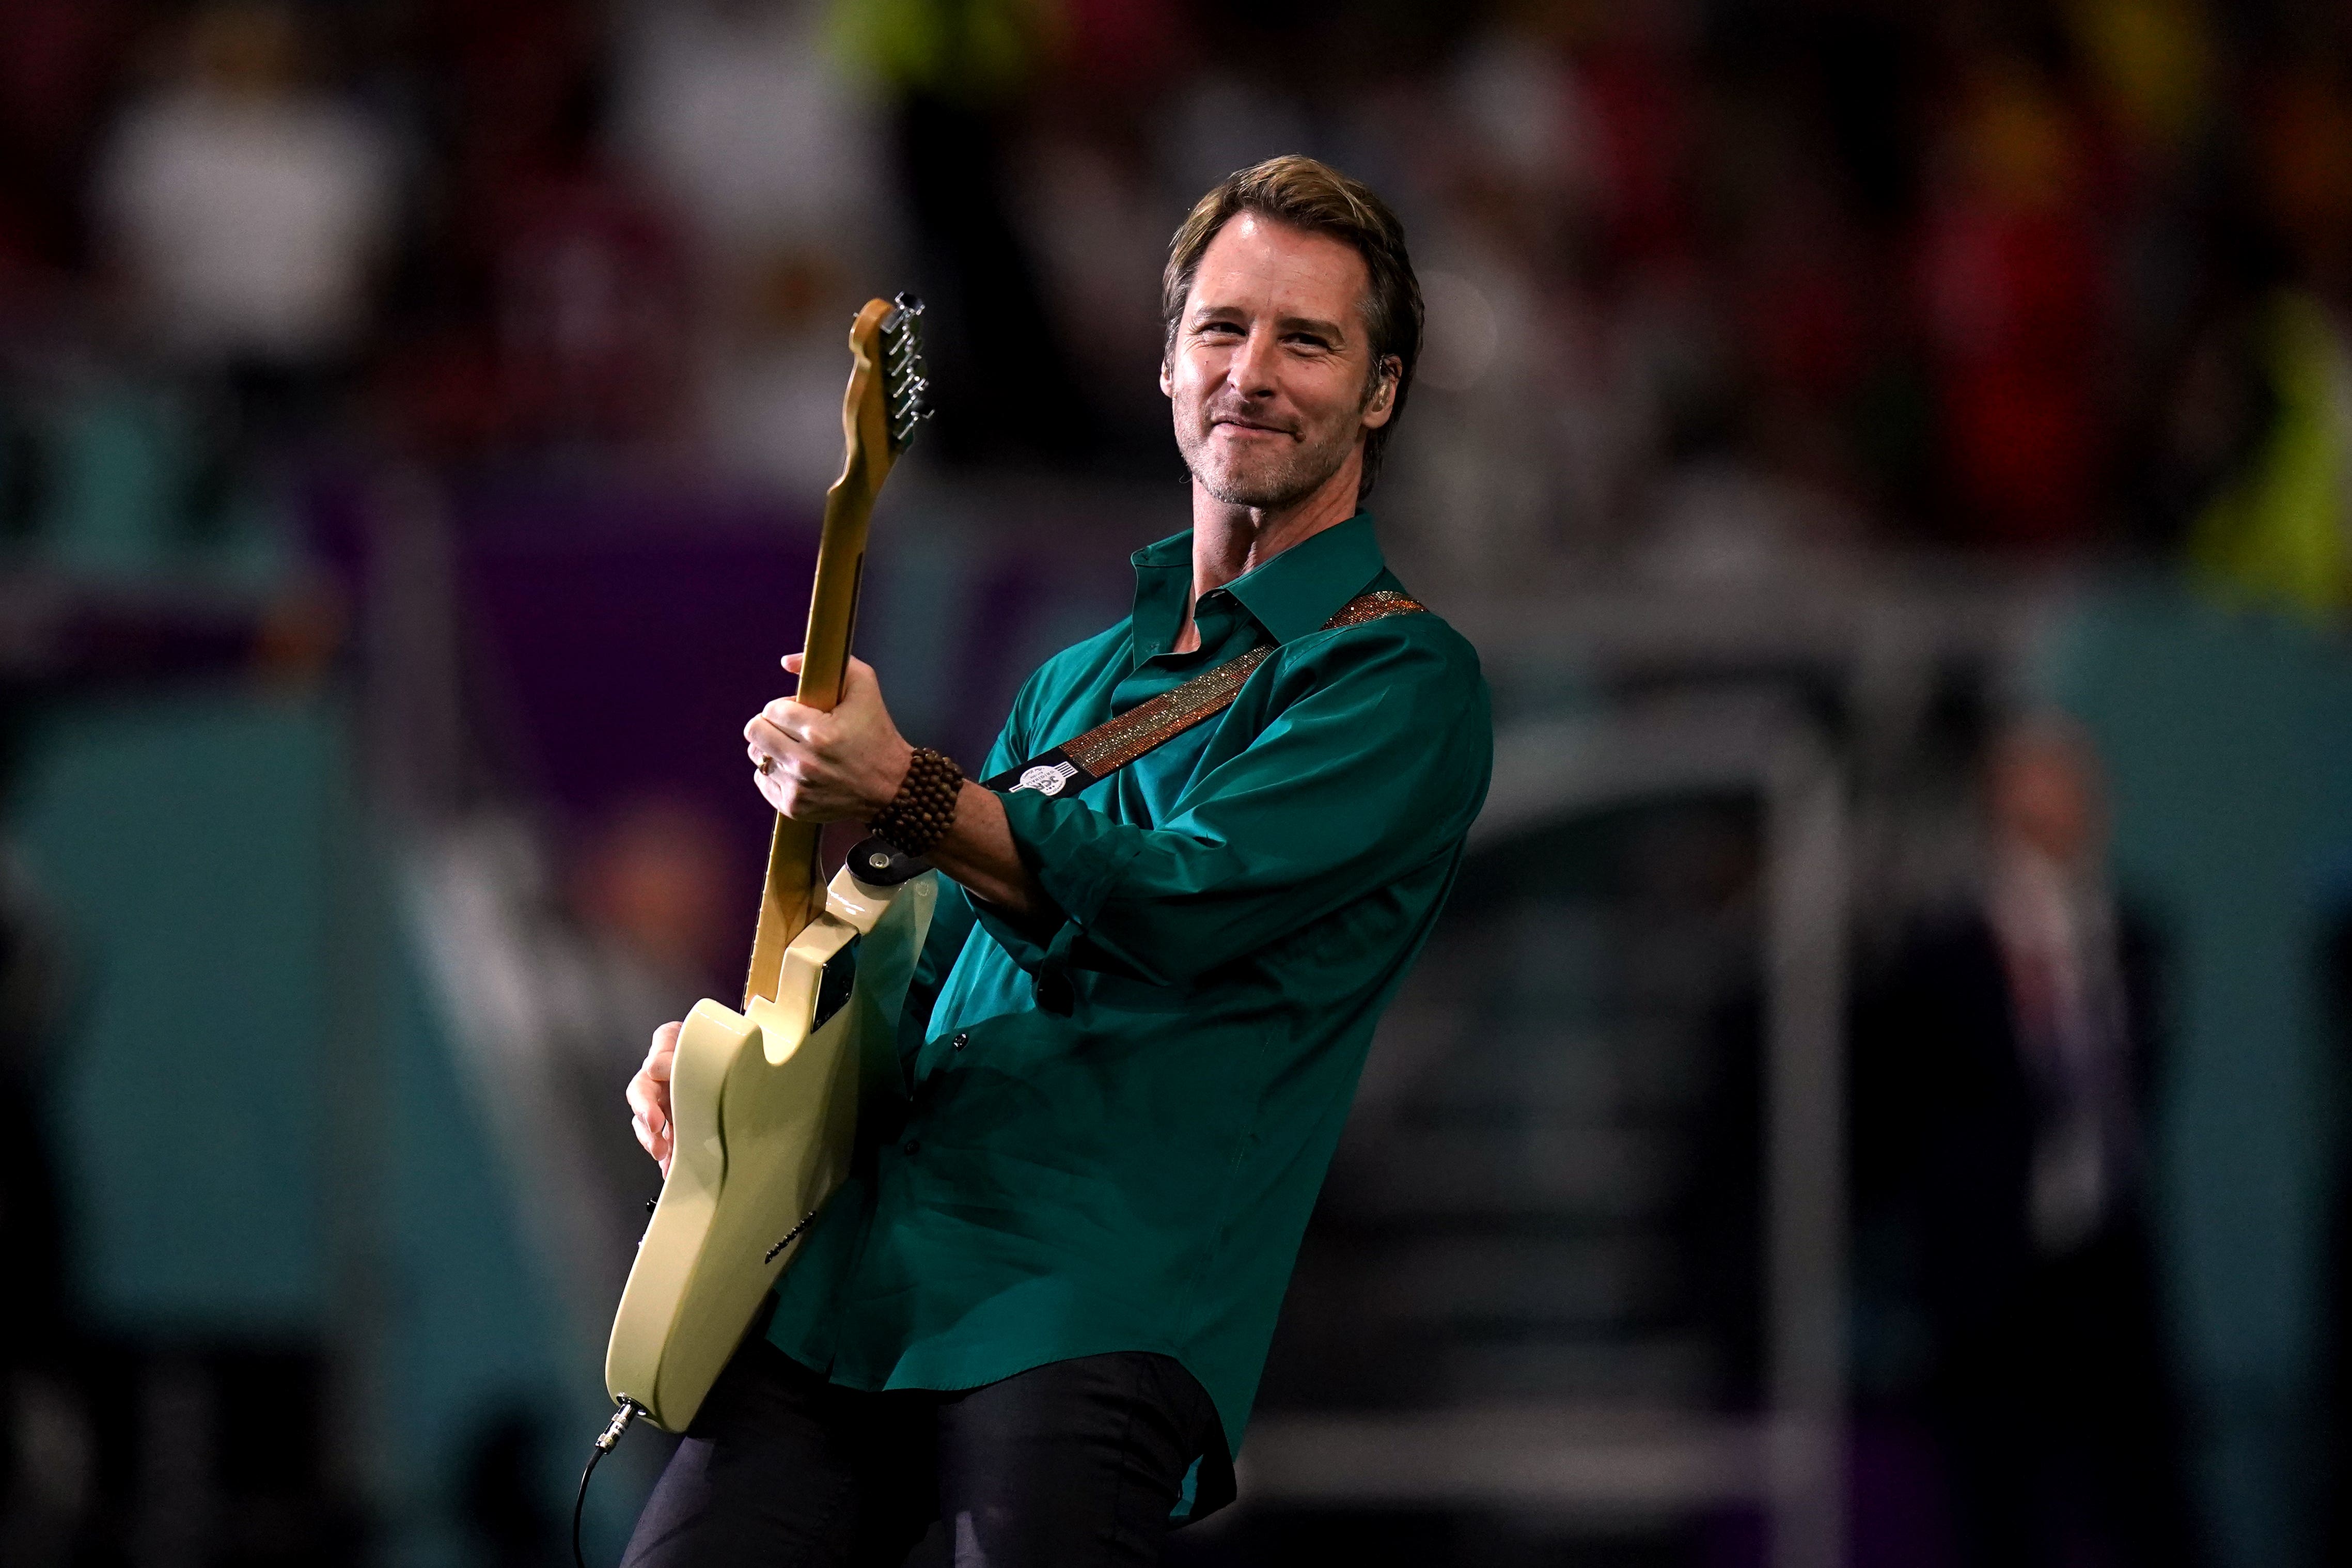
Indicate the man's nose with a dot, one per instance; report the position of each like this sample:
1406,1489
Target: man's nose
1251,370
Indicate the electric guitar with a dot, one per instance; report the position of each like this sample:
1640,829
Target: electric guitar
763,1102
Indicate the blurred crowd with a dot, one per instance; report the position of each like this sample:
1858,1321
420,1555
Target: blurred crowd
1710,285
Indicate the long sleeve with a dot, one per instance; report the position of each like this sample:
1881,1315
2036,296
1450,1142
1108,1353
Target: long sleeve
1376,763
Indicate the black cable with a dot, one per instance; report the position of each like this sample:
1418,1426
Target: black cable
578,1507
629,1411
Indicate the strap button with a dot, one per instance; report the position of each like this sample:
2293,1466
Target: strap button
961,1039
911,1146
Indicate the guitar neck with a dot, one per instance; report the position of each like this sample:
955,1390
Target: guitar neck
878,415
795,879
833,600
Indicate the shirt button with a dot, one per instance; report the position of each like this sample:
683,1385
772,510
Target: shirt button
911,1146
962,1040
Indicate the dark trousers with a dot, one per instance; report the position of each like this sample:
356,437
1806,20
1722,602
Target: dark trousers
2058,1423
1070,1465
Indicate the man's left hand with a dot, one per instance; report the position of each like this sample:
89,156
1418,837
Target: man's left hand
824,767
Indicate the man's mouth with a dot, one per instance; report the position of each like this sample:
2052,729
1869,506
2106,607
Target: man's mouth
1253,427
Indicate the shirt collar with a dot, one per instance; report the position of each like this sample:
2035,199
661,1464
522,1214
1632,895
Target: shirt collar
1300,589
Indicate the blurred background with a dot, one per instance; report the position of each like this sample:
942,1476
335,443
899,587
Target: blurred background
1876,1098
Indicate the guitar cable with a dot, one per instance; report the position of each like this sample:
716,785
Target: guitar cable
629,1411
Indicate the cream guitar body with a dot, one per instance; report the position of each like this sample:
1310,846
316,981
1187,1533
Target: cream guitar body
763,1102
765,1110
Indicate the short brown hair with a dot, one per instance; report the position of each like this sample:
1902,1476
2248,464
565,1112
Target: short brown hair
1311,196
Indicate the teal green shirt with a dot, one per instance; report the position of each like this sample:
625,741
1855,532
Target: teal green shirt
1108,1129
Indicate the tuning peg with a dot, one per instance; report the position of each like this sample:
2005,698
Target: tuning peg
902,369
902,327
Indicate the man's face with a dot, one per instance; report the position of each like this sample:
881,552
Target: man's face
2046,793
1271,372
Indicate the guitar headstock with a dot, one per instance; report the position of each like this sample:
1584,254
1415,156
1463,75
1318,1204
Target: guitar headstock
903,383
888,398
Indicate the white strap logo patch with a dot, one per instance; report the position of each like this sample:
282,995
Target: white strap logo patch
1046,778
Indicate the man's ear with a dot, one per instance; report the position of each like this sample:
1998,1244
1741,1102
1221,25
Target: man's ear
1381,403
1167,376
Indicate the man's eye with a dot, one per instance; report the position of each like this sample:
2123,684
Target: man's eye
1219,329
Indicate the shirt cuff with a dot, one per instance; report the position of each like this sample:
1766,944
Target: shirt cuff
1027,939
1076,855
1075,852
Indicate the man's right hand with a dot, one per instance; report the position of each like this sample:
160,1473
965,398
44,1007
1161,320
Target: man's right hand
649,1097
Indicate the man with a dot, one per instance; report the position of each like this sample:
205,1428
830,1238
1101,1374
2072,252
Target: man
1038,1310
2003,1076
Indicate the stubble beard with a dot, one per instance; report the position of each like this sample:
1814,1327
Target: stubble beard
1272,480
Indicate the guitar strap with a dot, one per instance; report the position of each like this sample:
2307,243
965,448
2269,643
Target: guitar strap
1120,740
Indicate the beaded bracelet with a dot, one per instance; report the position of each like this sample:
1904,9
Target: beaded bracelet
919,815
